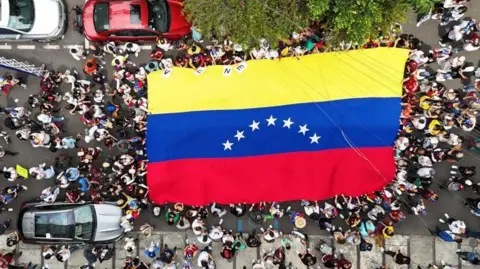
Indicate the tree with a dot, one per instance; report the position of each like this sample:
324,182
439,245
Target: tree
357,20
346,20
246,21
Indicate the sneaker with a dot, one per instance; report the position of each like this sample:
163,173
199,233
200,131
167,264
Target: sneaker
441,220
447,216
441,44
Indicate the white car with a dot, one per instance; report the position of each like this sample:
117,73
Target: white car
38,20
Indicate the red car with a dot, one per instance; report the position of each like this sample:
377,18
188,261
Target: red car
134,20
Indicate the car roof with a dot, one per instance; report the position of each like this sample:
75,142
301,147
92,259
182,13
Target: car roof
4,12
120,15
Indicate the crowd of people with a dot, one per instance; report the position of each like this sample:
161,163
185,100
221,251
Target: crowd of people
109,163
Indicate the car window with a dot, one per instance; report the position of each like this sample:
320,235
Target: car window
135,14
83,222
122,33
56,224
159,15
22,15
143,33
101,17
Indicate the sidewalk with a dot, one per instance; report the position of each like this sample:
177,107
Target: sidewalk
422,250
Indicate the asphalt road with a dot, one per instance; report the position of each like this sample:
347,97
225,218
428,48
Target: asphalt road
56,56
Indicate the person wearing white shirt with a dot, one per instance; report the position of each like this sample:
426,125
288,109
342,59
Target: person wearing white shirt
457,32
78,53
455,226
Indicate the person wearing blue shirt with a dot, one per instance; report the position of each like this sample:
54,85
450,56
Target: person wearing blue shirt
84,184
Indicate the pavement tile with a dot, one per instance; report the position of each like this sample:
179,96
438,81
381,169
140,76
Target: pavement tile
192,238
350,252
145,241
421,250
221,262
120,252
104,265
245,257
468,244
3,244
268,246
76,259
314,242
30,253
175,240
291,255
371,259
397,242
446,251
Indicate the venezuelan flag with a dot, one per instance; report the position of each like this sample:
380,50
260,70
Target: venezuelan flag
289,129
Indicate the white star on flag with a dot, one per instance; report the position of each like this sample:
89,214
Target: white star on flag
271,120
227,145
314,138
254,126
303,129
239,135
287,123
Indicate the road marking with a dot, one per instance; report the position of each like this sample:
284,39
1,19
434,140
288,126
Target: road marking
146,47
26,47
69,46
5,47
51,47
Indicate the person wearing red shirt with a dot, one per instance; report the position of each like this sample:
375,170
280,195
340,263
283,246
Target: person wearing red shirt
7,258
410,84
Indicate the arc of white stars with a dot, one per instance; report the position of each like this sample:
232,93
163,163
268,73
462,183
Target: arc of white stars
239,135
271,120
254,125
303,129
227,145
287,123
314,138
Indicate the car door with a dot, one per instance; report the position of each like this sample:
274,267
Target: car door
145,35
121,35
9,34
133,35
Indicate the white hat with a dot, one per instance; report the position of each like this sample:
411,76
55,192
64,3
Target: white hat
237,47
295,35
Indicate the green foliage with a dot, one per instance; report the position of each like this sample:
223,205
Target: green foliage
357,20
423,6
248,20
318,8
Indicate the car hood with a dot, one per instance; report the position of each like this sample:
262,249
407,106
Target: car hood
178,22
48,16
108,222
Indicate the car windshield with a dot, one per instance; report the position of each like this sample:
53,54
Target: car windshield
76,223
83,222
22,15
158,15
54,224
101,15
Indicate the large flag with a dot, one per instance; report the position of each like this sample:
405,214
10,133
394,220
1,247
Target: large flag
275,130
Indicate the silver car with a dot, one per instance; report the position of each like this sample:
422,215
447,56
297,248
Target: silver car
39,20
47,223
